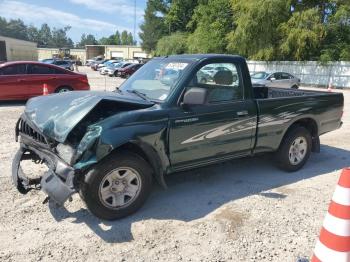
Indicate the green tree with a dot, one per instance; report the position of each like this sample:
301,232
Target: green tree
33,33
336,45
124,37
179,15
45,35
17,29
153,28
212,22
256,24
116,37
175,43
87,40
302,35
60,39
130,39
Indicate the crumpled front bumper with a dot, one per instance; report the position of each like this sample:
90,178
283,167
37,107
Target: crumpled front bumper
57,182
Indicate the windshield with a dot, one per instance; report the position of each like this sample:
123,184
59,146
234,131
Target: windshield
156,79
259,75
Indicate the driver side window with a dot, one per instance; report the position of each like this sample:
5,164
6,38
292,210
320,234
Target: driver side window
222,82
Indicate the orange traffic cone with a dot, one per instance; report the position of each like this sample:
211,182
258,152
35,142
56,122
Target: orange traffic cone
45,90
334,242
330,88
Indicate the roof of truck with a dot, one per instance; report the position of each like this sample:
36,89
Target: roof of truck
202,56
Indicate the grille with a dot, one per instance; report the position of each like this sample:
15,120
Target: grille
24,128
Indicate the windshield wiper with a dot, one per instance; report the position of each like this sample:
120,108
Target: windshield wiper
138,93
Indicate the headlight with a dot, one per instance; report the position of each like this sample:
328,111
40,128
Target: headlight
66,152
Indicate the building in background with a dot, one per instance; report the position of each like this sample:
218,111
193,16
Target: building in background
90,51
46,53
12,49
115,51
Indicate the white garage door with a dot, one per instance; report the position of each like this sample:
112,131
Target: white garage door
117,54
140,55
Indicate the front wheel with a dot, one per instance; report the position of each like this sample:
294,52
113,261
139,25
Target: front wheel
117,186
294,150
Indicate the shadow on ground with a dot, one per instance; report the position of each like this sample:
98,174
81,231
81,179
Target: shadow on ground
15,103
195,194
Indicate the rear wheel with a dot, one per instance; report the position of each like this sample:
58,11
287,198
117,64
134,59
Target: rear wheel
295,87
294,150
118,186
63,89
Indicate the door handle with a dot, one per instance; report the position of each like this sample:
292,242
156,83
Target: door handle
20,80
242,113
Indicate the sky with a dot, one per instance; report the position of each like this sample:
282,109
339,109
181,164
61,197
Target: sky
97,17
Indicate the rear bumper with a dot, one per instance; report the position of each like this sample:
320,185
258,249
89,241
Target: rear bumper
57,182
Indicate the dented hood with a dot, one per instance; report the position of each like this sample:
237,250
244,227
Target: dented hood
56,115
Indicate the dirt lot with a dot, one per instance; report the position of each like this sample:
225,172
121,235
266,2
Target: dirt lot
243,210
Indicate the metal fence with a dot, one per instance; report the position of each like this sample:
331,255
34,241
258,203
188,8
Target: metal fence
311,73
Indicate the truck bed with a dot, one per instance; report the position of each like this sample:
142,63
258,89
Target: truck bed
279,108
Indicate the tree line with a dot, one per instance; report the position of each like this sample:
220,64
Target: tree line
49,37
298,30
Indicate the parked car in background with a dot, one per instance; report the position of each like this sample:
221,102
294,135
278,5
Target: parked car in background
129,70
277,79
95,59
115,70
47,60
94,65
66,64
23,80
105,70
106,64
169,76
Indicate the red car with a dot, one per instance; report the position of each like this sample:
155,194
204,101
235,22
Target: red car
128,70
23,80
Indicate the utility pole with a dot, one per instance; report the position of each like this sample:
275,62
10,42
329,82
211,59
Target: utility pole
134,21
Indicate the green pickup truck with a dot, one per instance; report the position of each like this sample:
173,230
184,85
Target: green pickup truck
175,113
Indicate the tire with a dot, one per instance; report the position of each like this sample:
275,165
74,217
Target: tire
116,73
63,89
295,87
294,150
105,185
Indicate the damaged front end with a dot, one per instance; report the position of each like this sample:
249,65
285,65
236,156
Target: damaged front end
62,132
57,182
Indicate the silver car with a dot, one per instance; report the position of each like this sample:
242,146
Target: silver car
277,79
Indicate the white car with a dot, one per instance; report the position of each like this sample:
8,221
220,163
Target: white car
105,70
105,64
276,79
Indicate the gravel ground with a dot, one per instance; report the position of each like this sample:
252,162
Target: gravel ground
243,210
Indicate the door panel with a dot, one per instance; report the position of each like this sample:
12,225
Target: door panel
212,131
12,84
38,75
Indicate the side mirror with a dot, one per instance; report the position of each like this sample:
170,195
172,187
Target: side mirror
272,79
195,96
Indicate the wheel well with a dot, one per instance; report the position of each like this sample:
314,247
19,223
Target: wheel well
311,125
308,123
154,163
65,86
